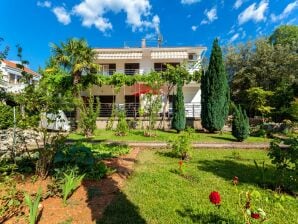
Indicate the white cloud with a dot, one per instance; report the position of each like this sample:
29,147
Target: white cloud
189,2
137,12
286,12
62,15
194,28
254,12
45,4
234,37
238,4
211,16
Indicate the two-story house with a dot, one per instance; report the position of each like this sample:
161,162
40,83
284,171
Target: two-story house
11,76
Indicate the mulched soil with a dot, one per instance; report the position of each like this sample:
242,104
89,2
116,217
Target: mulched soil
88,202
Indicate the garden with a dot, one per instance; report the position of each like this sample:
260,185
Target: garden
91,175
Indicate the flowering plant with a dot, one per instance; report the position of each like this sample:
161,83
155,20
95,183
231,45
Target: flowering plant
215,198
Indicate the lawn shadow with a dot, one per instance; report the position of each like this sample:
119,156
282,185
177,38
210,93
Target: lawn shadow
224,138
203,217
247,173
104,198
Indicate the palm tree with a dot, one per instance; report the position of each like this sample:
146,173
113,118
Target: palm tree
76,58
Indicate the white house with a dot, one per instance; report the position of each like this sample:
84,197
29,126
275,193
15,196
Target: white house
141,60
10,76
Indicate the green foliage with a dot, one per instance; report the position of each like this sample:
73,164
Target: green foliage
107,151
33,206
77,155
261,64
293,110
70,183
285,34
284,156
122,126
181,147
6,116
261,172
11,200
215,92
88,114
240,124
151,108
258,98
179,119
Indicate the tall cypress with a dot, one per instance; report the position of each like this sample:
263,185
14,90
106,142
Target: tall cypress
215,92
179,120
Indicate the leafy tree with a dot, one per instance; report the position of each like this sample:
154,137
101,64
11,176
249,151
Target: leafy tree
285,34
261,64
240,124
6,116
215,92
171,77
258,100
179,120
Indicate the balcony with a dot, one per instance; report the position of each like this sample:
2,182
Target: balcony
109,72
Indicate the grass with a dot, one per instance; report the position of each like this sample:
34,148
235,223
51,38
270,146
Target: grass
155,194
137,136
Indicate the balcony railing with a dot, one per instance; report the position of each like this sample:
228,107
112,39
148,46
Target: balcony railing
131,109
123,71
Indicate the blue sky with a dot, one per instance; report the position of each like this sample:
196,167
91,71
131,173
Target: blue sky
109,23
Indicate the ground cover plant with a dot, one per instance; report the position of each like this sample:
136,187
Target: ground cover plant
154,194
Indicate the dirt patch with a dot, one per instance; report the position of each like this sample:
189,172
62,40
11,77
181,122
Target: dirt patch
88,202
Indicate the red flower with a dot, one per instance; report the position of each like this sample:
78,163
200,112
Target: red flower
255,215
180,163
214,198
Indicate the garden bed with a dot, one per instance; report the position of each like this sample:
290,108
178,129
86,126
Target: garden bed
87,203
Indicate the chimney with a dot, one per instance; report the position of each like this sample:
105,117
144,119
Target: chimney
144,43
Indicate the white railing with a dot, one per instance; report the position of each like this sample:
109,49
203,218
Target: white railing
123,71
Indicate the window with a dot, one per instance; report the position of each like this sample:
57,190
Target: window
108,69
132,68
11,78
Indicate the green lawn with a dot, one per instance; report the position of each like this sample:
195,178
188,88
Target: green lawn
156,194
137,135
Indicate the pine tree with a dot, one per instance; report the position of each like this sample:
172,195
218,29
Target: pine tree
240,124
215,92
179,119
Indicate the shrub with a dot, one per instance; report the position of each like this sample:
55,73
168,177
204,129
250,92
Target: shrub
240,124
88,115
75,155
181,146
122,126
6,116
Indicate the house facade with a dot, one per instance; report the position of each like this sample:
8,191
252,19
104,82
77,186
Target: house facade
142,60
11,76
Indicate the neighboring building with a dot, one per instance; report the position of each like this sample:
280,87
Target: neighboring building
142,60
10,76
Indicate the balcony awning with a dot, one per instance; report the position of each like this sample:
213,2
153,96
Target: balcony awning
119,55
140,89
169,55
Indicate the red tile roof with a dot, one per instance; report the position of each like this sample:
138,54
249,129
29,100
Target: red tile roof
14,65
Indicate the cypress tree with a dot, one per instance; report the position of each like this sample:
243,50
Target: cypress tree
179,120
240,124
215,92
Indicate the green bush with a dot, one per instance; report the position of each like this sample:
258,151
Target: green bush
122,126
75,155
240,124
181,146
6,116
